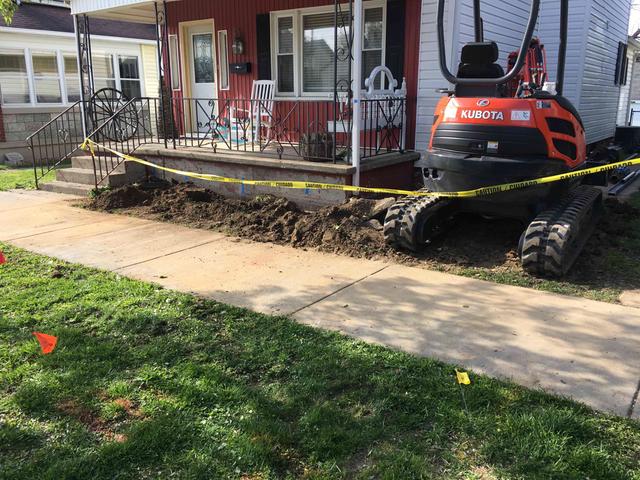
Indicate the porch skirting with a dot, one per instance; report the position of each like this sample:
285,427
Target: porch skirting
393,170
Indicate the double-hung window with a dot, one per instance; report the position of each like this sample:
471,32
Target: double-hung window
50,77
14,78
304,48
46,77
129,76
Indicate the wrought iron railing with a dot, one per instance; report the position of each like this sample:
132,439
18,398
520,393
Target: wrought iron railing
56,141
313,130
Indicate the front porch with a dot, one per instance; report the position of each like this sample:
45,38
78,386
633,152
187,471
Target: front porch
254,96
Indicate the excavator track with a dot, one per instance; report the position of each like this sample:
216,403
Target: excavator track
555,238
413,221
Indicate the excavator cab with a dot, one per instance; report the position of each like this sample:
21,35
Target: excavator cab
483,135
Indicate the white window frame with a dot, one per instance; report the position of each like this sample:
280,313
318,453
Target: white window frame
223,65
140,78
60,53
298,40
34,92
29,78
174,62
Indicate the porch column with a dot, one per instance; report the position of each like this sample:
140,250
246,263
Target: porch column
85,67
164,72
357,89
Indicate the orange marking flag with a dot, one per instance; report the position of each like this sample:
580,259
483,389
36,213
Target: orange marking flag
47,342
2,259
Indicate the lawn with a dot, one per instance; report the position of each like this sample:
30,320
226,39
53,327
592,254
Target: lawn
11,178
149,383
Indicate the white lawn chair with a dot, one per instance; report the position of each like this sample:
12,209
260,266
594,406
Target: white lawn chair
258,116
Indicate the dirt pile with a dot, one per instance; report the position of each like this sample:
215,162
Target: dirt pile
354,228
474,246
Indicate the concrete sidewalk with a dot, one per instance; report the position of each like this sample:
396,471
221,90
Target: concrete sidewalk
587,350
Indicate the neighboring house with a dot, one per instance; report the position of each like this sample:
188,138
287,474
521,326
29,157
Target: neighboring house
39,66
629,105
597,31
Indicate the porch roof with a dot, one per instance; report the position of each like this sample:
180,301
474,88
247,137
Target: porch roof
139,11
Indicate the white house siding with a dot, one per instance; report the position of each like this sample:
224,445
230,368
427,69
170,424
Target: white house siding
599,99
595,28
20,120
625,90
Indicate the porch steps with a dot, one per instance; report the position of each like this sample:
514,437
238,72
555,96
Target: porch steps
79,179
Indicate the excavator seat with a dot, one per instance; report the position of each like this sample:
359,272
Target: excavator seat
478,60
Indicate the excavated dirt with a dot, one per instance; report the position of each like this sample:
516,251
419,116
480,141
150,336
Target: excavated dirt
474,246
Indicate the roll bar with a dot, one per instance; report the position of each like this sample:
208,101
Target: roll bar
524,47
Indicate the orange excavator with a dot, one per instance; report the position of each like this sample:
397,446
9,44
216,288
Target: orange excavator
494,128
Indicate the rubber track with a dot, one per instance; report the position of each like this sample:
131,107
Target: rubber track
400,222
555,238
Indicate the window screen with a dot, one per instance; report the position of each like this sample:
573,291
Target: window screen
14,83
318,53
46,77
223,55
129,76
71,79
285,55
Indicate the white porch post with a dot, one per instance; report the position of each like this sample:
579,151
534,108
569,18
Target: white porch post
357,88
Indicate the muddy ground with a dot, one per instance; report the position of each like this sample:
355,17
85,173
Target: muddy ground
473,247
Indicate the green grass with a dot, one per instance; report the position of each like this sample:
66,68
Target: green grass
11,178
149,383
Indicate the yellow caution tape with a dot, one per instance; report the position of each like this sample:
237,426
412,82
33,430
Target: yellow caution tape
505,187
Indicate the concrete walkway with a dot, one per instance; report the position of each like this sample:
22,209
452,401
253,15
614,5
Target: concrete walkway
587,350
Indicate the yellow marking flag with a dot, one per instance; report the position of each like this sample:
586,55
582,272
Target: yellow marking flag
463,378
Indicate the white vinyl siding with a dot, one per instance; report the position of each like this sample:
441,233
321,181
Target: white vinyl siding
595,28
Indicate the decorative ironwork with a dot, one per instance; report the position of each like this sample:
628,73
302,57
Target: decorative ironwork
341,85
102,107
164,71
85,66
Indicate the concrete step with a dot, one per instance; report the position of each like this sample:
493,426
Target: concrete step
86,177
67,187
86,163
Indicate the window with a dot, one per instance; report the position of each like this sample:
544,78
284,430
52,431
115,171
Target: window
304,43
620,77
46,77
285,55
14,81
223,55
39,77
174,62
103,74
71,79
129,76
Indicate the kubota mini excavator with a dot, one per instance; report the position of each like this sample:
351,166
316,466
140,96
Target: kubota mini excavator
482,136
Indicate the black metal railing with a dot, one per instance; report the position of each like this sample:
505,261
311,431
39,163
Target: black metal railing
313,130
56,141
136,123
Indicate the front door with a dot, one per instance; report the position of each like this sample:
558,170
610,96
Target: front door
202,77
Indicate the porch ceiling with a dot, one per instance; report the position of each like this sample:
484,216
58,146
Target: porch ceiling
138,11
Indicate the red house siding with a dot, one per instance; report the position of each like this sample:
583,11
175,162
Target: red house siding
239,19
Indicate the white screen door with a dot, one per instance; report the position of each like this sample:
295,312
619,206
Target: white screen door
202,77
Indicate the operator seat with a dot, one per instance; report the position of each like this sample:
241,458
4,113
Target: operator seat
478,60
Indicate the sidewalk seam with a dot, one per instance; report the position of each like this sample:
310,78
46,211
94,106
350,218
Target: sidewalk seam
315,302
634,401
191,247
46,232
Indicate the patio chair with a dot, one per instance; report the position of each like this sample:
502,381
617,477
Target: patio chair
257,117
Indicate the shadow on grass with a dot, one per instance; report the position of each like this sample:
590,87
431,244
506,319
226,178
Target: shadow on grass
221,392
